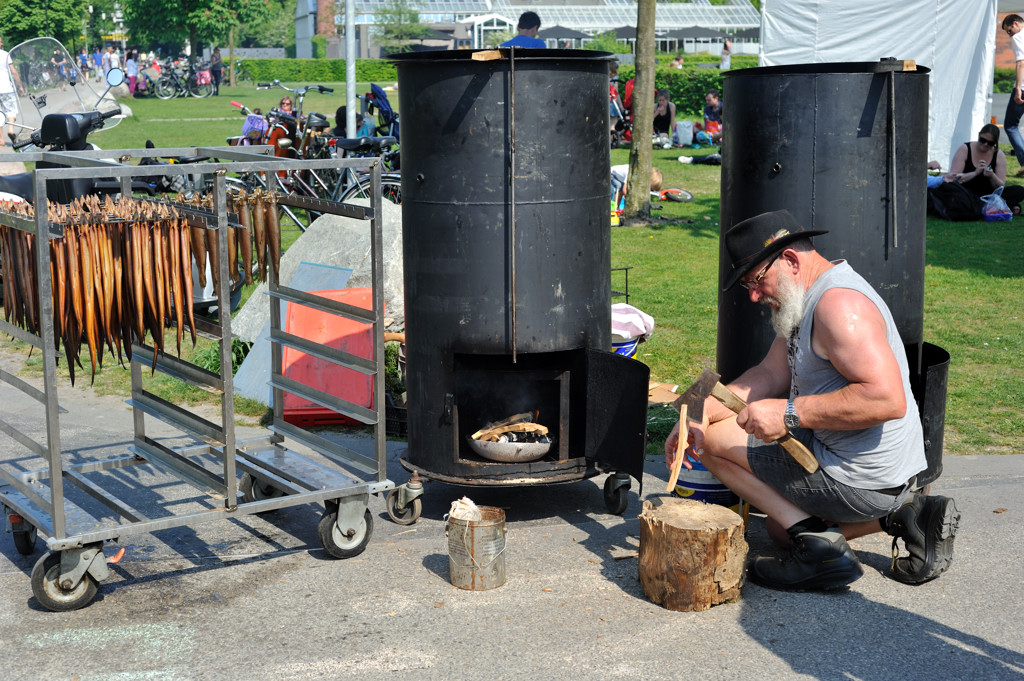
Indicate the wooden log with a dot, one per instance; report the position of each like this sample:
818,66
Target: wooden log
692,554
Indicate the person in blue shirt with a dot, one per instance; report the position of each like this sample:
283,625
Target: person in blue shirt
97,63
529,24
364,126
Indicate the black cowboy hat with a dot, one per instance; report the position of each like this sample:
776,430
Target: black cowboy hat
758,238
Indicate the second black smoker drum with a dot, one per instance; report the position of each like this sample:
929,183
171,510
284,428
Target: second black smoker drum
843,147
505,189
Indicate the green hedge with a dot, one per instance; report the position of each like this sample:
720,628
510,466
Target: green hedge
686,86
320,70
1005,80
739,61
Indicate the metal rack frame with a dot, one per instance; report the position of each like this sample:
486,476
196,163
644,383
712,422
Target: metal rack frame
38,498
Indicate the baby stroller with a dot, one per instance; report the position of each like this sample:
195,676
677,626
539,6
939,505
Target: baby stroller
387,117
387,123
622,133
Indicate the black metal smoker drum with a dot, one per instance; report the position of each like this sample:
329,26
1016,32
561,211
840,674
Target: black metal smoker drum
507,243
823,142
843,147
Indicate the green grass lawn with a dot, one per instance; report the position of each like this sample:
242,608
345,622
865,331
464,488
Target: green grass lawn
973,278
207,122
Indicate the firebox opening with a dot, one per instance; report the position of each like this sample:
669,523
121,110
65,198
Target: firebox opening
493,388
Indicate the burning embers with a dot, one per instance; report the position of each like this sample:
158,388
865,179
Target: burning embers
516,439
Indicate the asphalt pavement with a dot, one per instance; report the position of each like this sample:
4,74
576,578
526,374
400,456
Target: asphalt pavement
258,598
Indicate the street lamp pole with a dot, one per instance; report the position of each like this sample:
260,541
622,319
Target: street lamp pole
119,18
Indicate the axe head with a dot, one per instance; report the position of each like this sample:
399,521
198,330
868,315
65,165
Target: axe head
695,395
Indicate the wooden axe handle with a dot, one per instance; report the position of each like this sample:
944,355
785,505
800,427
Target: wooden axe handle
796,449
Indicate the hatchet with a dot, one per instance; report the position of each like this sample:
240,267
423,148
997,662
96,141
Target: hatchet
691,406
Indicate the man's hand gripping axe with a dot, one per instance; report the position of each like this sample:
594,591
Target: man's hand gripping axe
691,407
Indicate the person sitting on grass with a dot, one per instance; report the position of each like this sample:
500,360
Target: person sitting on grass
980,167
713,116
664,117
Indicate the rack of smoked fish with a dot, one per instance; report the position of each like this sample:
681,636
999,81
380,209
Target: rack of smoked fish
124,268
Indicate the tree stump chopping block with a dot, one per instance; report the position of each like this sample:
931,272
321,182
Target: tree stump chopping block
692,554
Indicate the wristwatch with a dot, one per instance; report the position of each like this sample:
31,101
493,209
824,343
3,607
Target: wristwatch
791,419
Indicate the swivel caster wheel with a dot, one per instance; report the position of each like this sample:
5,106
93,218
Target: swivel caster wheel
403,515
254,490
51,595
616,493
338,544
25,541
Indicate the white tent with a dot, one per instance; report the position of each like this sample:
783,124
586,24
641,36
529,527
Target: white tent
954,38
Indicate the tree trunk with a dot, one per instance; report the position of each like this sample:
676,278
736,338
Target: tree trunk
692,554
638,186
231,56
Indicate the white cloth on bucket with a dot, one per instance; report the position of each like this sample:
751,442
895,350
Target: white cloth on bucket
465,509
628,322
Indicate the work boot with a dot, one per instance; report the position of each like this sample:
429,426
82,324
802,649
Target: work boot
927,526
818,561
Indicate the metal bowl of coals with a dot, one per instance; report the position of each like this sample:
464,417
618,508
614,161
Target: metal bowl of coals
510,452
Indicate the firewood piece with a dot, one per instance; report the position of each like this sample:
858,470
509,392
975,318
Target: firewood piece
692,554
492,434
515,418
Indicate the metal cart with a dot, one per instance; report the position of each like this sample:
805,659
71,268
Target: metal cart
34,490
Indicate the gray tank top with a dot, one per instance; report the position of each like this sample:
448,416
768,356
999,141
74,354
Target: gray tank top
879,457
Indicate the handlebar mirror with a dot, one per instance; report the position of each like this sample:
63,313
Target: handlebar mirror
115,77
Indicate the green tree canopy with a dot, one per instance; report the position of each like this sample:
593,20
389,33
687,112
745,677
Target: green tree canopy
606,42
198,21
21,20
495,38
275,30
398,26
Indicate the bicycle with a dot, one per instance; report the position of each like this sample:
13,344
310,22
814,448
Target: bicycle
173,83
242,72
314,144
358,185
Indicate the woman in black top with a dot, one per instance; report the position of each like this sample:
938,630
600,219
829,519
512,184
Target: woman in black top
979,165
664,117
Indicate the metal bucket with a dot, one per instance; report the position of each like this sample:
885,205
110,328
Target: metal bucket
476,550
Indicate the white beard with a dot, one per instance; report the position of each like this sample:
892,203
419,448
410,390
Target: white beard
789,305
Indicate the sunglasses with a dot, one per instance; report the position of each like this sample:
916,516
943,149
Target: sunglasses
987,142
756,281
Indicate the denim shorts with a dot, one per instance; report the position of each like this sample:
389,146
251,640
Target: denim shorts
816,493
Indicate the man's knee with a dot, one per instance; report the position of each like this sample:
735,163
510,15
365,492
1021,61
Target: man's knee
725,441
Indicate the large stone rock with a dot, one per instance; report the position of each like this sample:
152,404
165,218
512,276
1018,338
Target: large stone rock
339,242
